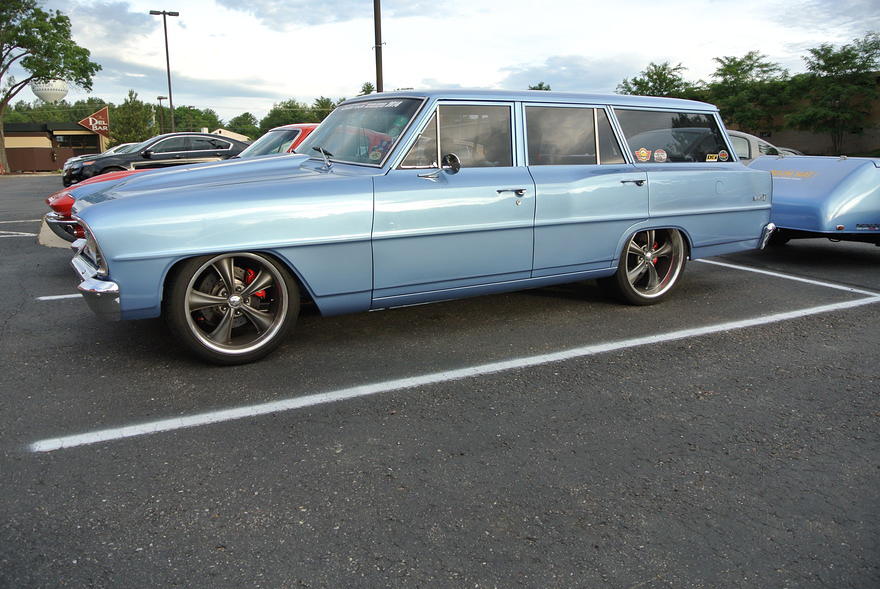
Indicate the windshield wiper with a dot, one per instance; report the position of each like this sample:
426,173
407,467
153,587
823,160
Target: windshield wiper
325,154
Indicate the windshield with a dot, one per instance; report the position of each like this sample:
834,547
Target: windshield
362,132
124,148
276,141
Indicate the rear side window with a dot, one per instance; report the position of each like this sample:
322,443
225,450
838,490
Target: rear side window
208,144
669,137
567,136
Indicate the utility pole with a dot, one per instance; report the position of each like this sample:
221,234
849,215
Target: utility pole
165,13
377,23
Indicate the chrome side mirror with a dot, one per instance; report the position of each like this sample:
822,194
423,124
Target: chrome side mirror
450,163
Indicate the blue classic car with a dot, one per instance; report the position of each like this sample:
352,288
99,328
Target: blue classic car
833,197
410,197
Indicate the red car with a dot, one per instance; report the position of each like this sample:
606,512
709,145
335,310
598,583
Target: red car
278,140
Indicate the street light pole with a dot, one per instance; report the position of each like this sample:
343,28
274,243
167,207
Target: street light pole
161,113
377,24
167,58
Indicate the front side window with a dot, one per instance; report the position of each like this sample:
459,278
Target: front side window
479,135
767,149
423,153
668,137
170,145
362,132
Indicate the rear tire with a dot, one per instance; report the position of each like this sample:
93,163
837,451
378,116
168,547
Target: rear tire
649,267
231,308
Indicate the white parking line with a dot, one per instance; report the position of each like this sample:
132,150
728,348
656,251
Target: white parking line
59,297
16,234
176,423
22,221
792,277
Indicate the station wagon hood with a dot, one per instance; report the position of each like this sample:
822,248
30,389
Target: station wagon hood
185,179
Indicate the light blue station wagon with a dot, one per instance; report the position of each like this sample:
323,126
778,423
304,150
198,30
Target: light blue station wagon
410,197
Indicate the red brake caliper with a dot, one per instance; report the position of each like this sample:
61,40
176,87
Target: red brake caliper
654,258
249,276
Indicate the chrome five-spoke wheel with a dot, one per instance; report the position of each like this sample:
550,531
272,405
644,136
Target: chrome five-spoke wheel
232,308
649,266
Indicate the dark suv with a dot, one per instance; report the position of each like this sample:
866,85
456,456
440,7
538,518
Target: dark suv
171,149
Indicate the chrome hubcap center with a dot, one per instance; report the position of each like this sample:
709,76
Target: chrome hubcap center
235,301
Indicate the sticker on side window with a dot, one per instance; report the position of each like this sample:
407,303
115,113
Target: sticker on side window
723,155
660,156
643,154
711,157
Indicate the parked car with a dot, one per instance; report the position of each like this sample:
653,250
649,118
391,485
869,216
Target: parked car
282,139
121,148
833,197
748,147
411,197
170,149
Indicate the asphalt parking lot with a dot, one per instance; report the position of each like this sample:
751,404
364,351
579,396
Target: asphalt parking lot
729,437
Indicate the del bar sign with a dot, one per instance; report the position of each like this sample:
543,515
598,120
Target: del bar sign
98,122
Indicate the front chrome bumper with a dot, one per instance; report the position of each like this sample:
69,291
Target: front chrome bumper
61,226
769,228
102,296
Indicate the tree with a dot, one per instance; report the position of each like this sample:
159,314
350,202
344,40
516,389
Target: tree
285,113
245,123
190,118
838,89
659,79
540,86
38,42
367,88
132,121
322,107
750,91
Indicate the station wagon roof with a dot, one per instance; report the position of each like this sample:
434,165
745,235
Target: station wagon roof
545,96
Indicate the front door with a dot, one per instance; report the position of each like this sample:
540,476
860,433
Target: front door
436,230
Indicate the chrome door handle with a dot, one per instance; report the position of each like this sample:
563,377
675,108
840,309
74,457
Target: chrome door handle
636,182
516,191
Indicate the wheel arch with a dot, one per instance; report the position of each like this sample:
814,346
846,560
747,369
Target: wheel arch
306,294
648,225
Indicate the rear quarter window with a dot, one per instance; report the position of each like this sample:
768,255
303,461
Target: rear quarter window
656,137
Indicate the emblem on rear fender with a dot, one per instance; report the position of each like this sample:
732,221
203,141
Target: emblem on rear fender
761,196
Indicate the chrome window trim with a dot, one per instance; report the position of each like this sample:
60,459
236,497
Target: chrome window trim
150,147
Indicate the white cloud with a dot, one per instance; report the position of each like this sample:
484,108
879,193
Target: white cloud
237,56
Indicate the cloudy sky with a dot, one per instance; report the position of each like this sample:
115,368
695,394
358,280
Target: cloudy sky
244,55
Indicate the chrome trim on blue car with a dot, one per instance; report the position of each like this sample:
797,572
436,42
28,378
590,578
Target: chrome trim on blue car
766,234
102,296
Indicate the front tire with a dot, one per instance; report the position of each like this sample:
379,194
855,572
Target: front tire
649,267
231,308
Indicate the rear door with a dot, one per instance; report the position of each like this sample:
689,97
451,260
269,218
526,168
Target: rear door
588,196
